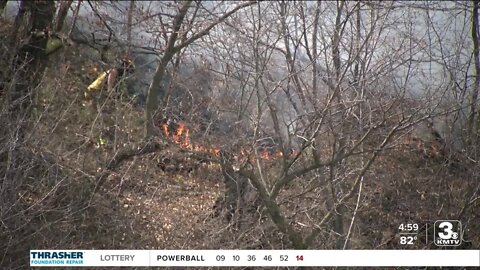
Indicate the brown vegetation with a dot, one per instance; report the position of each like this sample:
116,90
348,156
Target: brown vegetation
222,166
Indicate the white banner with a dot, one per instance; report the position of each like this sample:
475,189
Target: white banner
197,258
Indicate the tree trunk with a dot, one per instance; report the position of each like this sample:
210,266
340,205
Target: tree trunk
155,91
154,94
131,8
340,135
30,59
239,195
62,14
3,4
471,134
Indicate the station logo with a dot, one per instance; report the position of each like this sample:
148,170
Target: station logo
448,233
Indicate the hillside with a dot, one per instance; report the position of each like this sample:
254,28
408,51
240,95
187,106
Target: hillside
84,176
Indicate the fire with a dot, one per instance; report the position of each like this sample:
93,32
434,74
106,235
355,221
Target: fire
180,135
269,155
165,130
264,154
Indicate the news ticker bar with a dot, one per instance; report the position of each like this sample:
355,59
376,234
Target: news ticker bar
198,258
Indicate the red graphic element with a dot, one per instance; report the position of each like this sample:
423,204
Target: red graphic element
299,258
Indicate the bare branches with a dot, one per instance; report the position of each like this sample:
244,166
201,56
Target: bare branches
206,30
169,52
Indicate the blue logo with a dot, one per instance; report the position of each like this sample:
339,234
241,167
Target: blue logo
44,258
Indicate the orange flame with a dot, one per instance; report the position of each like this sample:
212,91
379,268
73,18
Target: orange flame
165,130
269,155
265,155
181,137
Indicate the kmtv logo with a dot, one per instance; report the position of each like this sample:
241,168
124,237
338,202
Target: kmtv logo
448,233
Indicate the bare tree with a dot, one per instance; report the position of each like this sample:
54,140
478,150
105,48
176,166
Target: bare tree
330,105
177,39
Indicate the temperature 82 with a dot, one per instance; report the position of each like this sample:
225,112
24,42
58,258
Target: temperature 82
407,240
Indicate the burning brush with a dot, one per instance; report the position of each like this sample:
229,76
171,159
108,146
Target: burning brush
179,133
